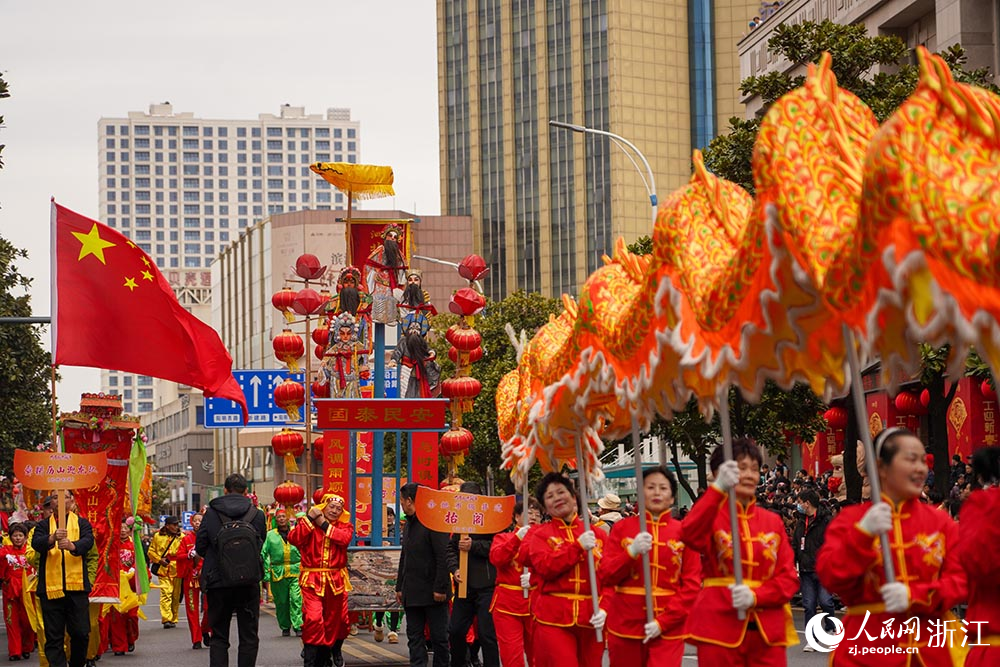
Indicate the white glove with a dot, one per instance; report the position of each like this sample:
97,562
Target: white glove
727,476
653,631
525,579
522,531
599,618
877,520
743,597
192,554
642,544
896,597
587,540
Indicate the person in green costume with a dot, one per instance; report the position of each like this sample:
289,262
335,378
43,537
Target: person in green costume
281,569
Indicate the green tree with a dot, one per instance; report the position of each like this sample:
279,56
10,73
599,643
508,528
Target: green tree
523,311
160,497
25,420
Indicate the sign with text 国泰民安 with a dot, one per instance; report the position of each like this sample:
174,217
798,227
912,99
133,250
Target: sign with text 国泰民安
381,414
44,471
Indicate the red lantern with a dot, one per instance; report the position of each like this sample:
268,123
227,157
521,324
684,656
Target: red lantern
464,339
925,397
989,393
321,389
289,348
473,267
318,495
467,302
282,300
307,302
318,444
836,417
456,442
308,267
462,391
289,444
321,334
908,404
288,494
290,396
320,352
465,358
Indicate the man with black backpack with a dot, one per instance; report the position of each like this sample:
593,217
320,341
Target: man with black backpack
230,540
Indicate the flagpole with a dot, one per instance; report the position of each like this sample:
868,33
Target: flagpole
55,442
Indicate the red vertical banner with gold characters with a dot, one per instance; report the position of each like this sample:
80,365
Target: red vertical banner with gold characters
102,505
363,469
424,458
337,464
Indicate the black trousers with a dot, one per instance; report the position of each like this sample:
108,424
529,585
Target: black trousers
476,604
67,615
435,617
222,604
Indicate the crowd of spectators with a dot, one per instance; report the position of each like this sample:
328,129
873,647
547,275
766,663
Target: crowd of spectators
767,10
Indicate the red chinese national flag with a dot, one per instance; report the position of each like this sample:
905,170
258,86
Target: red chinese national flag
111,308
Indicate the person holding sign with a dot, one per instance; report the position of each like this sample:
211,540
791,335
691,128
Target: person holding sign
676,574
510,606
565,620
751,623
64,583
322,536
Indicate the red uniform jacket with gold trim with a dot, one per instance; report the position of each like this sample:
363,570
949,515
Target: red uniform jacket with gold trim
676,574
559,569
977,552
508,596
924,544
324,555
768,569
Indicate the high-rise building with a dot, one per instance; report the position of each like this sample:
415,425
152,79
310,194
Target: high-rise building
183,188
548,203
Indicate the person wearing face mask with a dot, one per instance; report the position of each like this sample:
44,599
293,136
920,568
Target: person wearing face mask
13,564
929,577
676,580
807,538
565,619
760,638
510,607
322,536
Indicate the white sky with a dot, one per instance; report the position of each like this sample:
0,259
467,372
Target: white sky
69,63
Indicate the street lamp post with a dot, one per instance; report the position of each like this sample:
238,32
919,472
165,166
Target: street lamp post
628,148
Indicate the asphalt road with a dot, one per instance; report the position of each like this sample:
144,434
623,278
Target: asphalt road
172,648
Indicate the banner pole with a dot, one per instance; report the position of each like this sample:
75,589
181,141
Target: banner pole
647,570
727,448
581,469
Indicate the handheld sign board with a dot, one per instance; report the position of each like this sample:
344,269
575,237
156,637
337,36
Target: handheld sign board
44,471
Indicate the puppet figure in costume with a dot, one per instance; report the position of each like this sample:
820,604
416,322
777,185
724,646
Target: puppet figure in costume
415,298
929,577
385,274
13,568
977,551
124,627
351,298
676,580
322,536
345,362
768,568
565,619
281,569
510,607
189,574
419,373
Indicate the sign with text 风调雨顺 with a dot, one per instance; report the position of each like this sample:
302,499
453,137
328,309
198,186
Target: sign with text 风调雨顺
258,388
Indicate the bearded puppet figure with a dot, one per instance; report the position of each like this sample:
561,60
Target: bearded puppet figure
345,363
419,373
385,274
351,298
415,299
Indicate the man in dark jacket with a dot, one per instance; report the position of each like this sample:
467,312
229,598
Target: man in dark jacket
807,538
64,582
423,583
476,604
224,601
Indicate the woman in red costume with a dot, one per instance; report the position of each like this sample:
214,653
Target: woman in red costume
977,552
189,574
676,574
929,578
20,636
768,566
321,537
510,607
124,628
565,619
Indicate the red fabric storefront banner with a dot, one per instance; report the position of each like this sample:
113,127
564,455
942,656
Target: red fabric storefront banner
337,464
424,458
102,505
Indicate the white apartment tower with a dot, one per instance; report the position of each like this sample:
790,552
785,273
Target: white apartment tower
184,188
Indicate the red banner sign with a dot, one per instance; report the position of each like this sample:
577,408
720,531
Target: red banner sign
448,512
46,471
381,414
424,459
337,464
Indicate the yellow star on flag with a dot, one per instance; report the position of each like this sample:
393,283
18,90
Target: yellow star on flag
130,283
130,244
93,244
145,260
146,275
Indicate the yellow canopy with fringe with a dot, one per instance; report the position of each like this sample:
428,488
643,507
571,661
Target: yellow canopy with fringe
360,181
